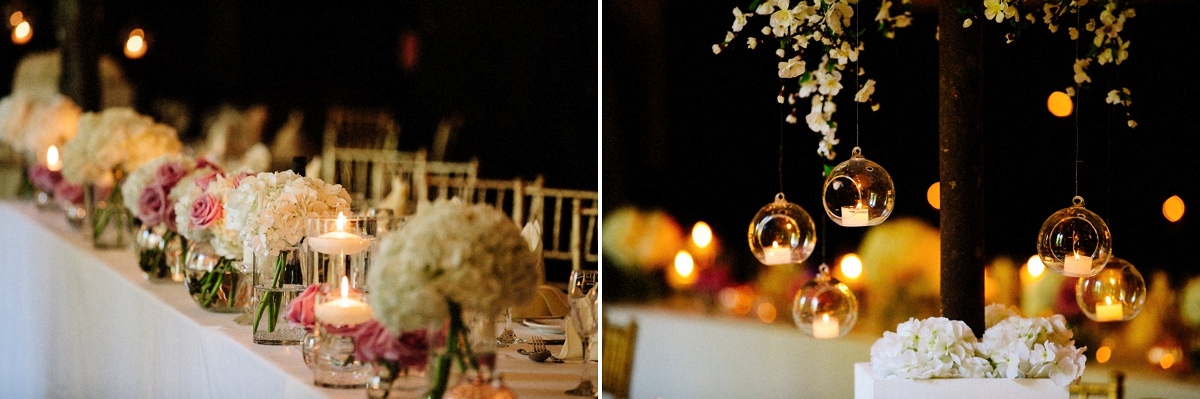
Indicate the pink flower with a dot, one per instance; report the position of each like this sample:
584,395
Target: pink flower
205,211
205,180
43,178
300,310
153,205
237,178
69,192
373,342
205,163
169,173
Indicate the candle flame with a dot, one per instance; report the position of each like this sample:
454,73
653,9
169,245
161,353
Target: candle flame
825,317
345,286
52,158
341,222
1108,300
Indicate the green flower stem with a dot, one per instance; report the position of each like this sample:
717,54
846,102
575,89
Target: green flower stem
454,352
210,284
270,300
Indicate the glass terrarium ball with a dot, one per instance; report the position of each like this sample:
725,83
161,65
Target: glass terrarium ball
825,308
782,233
1116,293
858,192
1074,241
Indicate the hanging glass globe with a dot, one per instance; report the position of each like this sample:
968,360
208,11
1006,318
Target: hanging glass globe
824,307
858,192
1074,241
782,233
1116,293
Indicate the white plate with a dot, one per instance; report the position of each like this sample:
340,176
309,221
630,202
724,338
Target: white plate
545,326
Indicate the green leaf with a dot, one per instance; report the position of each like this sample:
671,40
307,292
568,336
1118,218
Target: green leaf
827,170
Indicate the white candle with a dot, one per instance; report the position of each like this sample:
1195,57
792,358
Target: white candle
776,255
344,311
52,161
339,242
1109,311
1078,265
826,327
855,216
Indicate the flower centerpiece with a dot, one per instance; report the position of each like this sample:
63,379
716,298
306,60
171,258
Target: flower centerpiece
30,123
200,218
451,259
270,211
1012,347
108,146
150,192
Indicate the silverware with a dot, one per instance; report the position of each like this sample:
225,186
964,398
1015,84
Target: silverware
539,353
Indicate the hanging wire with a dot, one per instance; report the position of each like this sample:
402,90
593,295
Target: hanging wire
857,71
1078,106
782,106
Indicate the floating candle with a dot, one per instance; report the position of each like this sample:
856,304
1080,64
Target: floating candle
344,311
339,242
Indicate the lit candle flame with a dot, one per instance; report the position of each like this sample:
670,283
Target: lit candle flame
52,161
341,222
345,286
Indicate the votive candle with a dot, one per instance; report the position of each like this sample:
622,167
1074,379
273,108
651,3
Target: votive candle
777,255
1109,311
826,327
1078,265
855,216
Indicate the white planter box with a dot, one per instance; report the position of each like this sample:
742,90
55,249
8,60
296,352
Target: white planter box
866,386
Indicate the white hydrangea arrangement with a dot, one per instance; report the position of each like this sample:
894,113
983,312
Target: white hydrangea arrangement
1011,347
471,255
116,139
270,210
30,122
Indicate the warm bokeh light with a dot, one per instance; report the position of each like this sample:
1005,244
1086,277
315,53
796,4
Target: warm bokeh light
702,234
737,300
1167,361
135,46
22,33
1060,104
1035,267
934,195
1103,354
16,18
851,267
1173,208
766,312
684,274
52,161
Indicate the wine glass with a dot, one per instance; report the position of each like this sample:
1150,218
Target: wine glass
582,296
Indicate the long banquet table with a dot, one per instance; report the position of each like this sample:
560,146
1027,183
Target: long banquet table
77,322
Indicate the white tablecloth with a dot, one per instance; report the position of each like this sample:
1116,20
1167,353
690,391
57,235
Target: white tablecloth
76,322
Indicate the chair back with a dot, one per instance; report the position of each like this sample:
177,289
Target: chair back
433,180
354,140
617,364
569,224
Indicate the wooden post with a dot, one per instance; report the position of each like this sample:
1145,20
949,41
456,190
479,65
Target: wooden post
960,142
78,30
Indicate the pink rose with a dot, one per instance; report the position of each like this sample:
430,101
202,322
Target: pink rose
373,342
71,193
168,174
237,178
205,211
205,163
206,179
153,205
43,178
300,310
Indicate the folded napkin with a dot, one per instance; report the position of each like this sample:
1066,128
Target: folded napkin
547,302
572,348
533,234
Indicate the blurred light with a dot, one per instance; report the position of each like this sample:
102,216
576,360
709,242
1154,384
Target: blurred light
16,18
1034,266
737,300
1167,361
1173,208
1060,104
683,275
1103,354
52,161
934,195
22,33
851,266
702,234
1155,354
766,312
135,46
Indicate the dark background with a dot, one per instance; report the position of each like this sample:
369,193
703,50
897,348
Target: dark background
522,75
698,134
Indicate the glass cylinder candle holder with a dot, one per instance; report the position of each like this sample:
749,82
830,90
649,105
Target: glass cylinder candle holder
277,279
339,247
338,314
782,233
858,192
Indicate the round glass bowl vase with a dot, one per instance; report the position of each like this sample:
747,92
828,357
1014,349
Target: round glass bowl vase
1074,241
217,284
160,253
